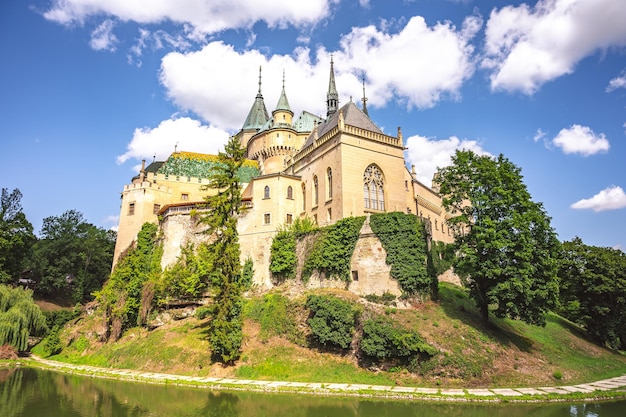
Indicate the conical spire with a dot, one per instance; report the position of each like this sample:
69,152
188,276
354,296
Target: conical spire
332,98
283,103
258,115
364,99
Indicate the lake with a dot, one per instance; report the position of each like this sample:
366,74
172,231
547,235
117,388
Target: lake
26,392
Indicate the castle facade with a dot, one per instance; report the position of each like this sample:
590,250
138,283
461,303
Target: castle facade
322,168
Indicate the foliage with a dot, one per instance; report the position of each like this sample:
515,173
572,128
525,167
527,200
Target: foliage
332,252
190,164
442,257
20,317
247,274
188,277
507,251
58,318
332,320
120,298
16,236
275,313
283,260
593,290
383,340
225,333
72,256
403,237
386,298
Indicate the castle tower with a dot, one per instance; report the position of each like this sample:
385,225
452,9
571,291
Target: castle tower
257,118
332,97
282,115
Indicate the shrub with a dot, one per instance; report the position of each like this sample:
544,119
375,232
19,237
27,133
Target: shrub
383,339
275,313
332,320
283,258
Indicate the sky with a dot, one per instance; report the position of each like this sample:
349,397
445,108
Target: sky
89,88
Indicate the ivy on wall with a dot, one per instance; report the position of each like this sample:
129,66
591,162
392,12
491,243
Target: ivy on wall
403,237
333,250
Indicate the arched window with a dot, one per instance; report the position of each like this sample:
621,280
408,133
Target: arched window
289,193
266,192
329,184
373,188
315,190
303,197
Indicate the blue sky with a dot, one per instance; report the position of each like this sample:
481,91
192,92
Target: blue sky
88,88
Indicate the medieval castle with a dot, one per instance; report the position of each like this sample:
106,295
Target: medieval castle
323,168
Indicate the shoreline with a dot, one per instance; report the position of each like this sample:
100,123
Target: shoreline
607,389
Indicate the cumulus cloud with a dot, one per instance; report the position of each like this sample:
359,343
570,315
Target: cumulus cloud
202,81
429,154
611,198
617,82
527,46
183,134
102,37
581,140
203,17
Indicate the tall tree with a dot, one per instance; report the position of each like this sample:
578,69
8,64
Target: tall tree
72,256
16,235
593,290
221,221
507,249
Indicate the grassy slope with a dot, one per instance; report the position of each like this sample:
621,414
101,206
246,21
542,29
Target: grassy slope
505,353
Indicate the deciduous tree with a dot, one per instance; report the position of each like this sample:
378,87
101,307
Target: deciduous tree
20,317
16,236
507,250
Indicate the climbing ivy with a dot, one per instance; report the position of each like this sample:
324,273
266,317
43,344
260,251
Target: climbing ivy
442,255
283,258
333,249
403,237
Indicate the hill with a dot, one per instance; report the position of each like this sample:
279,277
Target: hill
278,346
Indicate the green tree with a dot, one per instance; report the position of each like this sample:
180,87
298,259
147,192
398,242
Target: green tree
332,320
507,249
122,298
16,236
221,222
20,317
72,255
593,290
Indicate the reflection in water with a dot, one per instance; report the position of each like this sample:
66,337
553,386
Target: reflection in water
29,392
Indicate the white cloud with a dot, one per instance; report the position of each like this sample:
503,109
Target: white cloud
102,37
428,154
540,134
203,17
611,198
183,134
112,222
581,140
203,81
527,47
617,82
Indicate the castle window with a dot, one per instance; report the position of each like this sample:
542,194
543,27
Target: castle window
355,275
329,215
289,218
329,183
315,191
131,209
184,196
267,218
303,197
266,192
289,193
373,188
156,208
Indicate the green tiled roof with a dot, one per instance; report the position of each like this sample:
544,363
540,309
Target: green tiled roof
198,165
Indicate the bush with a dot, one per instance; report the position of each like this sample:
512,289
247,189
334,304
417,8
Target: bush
383,339
275,314
332,320
283,255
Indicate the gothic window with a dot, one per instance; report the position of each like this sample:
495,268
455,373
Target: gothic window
266,192
373,188
315,191
289,193
329,183
303,197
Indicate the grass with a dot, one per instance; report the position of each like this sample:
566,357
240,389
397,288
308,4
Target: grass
503,353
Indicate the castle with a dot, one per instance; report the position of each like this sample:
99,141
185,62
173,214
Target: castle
322,168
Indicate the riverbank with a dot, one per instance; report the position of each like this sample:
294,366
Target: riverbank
611,388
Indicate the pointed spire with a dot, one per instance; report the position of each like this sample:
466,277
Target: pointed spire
332,98
364,99
283,103
258,115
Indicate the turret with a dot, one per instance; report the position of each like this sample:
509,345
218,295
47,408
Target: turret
332,98
283,115
257,117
